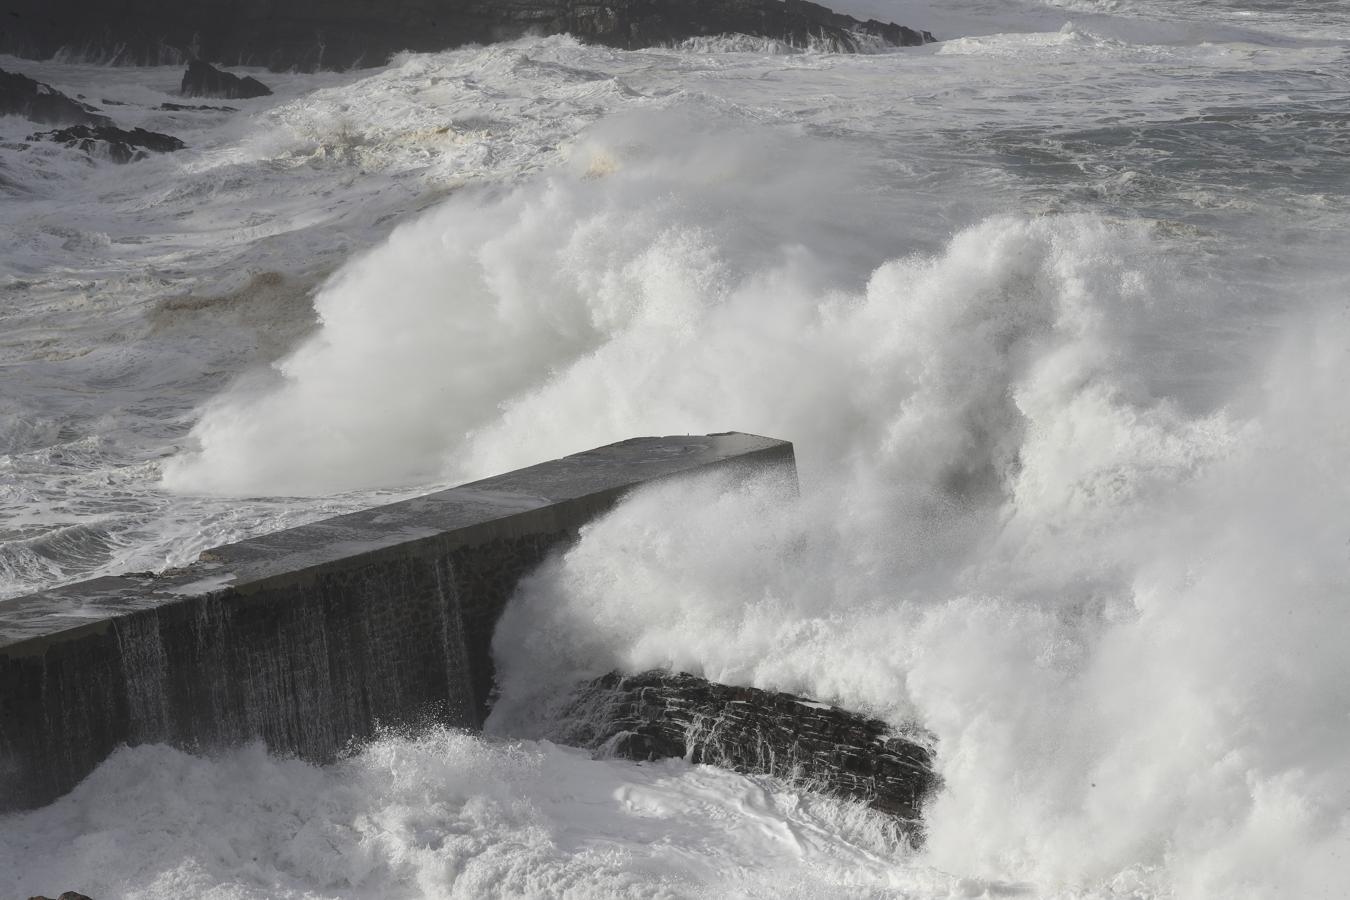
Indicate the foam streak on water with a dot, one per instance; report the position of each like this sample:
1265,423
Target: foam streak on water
1054,312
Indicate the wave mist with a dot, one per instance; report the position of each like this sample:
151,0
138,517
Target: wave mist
1117,602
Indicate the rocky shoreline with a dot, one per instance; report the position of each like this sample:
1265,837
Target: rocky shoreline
310,34
86,129
89,130
119,145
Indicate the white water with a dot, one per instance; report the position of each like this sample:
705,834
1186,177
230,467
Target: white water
1054,314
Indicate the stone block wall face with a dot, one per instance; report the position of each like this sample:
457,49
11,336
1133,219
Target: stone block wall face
310,639
484,580
308,666
47,731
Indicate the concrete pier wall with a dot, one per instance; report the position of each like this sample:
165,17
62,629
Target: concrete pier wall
309,638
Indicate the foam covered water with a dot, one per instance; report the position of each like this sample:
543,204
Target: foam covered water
1054,313
445,815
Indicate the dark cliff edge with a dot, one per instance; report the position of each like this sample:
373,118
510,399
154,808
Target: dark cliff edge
339,34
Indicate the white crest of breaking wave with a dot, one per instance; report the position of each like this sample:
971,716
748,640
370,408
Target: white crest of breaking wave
1120,611
1132,659
502,290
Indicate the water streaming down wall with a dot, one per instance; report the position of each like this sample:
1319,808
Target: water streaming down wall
310,638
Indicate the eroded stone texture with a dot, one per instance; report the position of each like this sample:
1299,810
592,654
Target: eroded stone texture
658,715
309,638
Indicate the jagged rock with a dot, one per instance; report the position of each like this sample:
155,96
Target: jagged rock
204,80
185,107
118,144
897,35
343,33
643,23
658,715
22,96
68,895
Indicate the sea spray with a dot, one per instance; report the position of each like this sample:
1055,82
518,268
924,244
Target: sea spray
1130,650
497,291
446,815
1013,529
1111,577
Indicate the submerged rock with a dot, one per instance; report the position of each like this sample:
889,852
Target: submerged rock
117,144
204,80
38,102
659,715
186,107
345,33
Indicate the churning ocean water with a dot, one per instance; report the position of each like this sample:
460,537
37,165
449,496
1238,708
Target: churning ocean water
1056,311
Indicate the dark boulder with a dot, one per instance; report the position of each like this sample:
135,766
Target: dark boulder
337,34
117,144
204,80
38,102
659,715
68,895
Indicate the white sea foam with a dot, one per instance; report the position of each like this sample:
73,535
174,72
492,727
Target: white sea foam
1054,316
446,815
655,221
1131,653
1007,531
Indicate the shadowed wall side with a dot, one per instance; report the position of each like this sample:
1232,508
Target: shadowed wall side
311,638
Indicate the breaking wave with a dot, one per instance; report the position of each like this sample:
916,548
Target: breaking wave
1116,600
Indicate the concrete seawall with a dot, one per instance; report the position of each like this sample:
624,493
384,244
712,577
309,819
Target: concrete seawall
309,638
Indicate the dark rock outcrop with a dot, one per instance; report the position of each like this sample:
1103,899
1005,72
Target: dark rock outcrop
118,144
22,96
659,715
185,107
68,895
335,34
644,23
204,80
